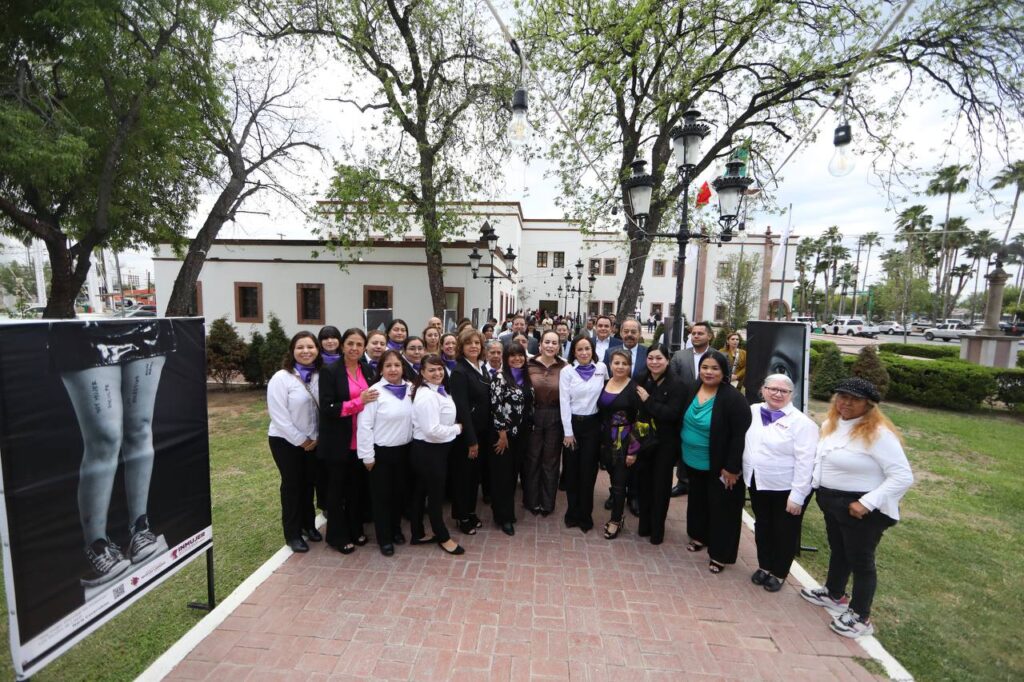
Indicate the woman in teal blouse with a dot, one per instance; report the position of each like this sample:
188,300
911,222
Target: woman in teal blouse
714,427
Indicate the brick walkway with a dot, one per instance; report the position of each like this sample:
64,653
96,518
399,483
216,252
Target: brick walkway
549,603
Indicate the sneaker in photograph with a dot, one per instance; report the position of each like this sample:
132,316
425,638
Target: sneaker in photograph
819,596
849,624
107,563
143,542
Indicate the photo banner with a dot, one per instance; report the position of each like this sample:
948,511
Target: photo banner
106,471
778,348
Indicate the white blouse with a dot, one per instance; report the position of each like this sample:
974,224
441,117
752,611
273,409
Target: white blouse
433,416
881,469
294,415
387,421
579,397
780,456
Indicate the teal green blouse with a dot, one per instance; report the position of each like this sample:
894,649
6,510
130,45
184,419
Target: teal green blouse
696,434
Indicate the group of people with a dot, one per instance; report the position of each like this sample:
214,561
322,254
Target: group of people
389,425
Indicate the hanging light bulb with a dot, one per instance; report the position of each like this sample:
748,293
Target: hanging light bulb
519,128
842,162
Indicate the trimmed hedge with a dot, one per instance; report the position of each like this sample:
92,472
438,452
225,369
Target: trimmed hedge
1010,388
920,350
821,345
952,384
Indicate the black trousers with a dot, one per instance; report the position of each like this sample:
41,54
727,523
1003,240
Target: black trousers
714,514
540,465
851,543
466,474
320,482
387,490
297,469
430,463
580,465
618,473
776,531
346,483
504,469
654,488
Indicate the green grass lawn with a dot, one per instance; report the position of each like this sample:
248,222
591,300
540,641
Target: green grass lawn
950,586
246,531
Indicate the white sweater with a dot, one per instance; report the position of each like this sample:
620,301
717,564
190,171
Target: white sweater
387,421
780,456
294,415
579,397
433,416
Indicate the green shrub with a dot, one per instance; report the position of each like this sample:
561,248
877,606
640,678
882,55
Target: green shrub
830,372
949,383
920,350
275,347
868,366
252,369
813,359
1020,358
225,351
1010,388
821,345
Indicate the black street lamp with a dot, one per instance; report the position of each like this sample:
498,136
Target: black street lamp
490,237
640,303
578,289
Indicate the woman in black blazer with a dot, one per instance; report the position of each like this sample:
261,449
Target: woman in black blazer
471,391
715,422
618,406
344,390
661,397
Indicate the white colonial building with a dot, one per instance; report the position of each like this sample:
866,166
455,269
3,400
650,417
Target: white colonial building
308,285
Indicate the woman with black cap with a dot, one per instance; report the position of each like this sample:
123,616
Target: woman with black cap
860,473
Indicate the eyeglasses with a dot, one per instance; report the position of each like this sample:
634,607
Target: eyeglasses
780,391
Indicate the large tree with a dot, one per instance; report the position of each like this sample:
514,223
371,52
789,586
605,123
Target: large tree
434,74
948,181
624,72
101,129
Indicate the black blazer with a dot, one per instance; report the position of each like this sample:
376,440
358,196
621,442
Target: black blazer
664,404
626,401
408,373
471,392
335,430
730,419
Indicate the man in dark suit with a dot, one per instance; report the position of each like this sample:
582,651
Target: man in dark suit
519,327
684,368
603,339
564,341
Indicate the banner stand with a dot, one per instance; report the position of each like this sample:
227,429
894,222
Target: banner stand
210,599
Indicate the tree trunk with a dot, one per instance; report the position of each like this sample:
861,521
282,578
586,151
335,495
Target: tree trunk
66,280
635,266
431,233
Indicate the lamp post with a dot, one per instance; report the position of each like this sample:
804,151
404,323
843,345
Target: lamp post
578,289
640,304
490,237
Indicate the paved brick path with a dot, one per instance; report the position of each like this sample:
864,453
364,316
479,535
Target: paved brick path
549,603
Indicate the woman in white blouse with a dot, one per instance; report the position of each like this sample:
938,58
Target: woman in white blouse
384,432
778,458
860,474
579,387
433,433
293,433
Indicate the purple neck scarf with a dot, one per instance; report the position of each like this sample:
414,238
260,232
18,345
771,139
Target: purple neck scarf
373,364
493,372
517,374
586,371
305,372
769,417
450,364
416,366
393,345
397,390
330,357
440,389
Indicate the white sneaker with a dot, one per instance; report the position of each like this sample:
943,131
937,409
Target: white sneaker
820,597
849,624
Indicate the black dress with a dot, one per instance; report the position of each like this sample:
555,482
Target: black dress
663,408
618,413
471,391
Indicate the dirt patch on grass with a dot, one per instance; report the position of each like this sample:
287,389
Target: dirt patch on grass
233,402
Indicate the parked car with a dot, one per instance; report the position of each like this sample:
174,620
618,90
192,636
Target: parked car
1012,328
809,321
890,327
919,325
851,326
948,331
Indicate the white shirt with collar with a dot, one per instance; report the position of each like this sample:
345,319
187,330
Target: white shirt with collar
780,456
433,416
294,413
696,360
601,347
579,397
879,470
387,421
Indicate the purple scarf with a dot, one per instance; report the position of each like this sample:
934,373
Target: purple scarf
517,374
493,372
394,345
305,372
373,364
397,390
619,432
450,364
330,357
586,371
769,417
440,389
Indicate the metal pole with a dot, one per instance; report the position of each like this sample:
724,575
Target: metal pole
683,238
782,282
211,601
120,284
490,277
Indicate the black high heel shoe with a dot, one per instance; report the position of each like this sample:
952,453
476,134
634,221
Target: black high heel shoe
459,550
609,534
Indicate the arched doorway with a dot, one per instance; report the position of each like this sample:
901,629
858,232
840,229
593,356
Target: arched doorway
773,310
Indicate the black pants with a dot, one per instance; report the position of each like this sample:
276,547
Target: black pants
581,470
503,477
320,482
297,469
714,514
851,543
430,462
776,531
466,475
618,473
346,475
654,488
387,490
540,465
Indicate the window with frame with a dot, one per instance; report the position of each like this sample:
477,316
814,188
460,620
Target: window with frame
609,266
558,259
378,297
249,302
542,259
595,266
725,269
675,267
594,308
656,309
309,300
720,312
659,268
608,307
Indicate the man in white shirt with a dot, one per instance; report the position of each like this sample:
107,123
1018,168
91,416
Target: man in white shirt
603,339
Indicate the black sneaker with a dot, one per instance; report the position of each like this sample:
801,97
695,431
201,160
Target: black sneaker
107,563
143,542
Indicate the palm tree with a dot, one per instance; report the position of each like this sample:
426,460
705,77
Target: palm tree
961,273
868,239
847,280
983,245
804,252
956,235
832,252
947,182
1013,174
